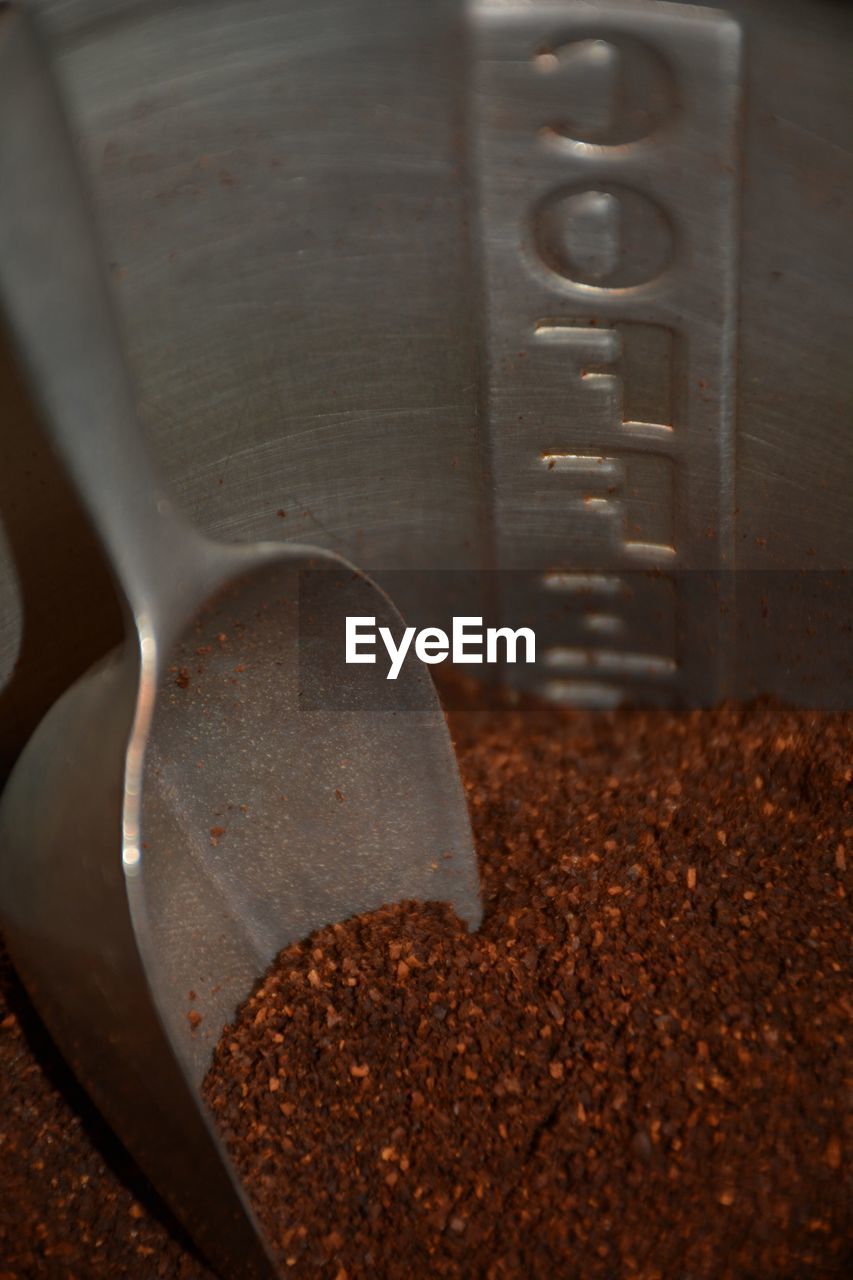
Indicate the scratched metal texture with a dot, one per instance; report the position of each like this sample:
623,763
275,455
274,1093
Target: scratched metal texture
333,225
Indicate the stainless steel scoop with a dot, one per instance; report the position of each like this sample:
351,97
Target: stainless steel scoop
213,791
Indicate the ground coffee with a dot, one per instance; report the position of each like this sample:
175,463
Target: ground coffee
634,1069
72,1205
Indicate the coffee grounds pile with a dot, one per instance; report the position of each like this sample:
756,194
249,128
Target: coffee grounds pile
72,1206
634,1069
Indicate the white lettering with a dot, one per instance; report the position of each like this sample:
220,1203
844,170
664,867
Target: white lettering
461,635
396,653
432,645
511,638
354,640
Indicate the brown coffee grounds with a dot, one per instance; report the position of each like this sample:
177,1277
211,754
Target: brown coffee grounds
634,1069
72,1205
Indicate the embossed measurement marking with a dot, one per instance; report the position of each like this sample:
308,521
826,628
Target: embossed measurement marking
605,155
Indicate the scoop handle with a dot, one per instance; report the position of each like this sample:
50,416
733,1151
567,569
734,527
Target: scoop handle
59,309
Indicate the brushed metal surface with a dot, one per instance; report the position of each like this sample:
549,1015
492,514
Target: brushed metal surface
606,145
116,899
284,187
